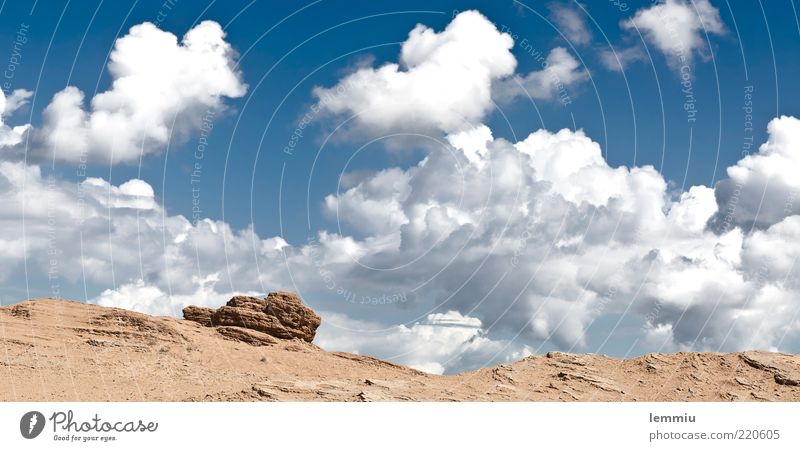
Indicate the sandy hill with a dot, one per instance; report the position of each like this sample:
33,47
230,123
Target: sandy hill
259,350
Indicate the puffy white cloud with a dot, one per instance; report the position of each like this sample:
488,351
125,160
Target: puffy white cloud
383,192
161,89
136,194
446,82
763,187
678,28
543,238
443,81
141,296
694,209
777,249
730,295
120,238
17,99
520,248
12,136
473,143
574,167
560,71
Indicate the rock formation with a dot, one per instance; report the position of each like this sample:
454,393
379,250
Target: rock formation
248,336
253,320
200,315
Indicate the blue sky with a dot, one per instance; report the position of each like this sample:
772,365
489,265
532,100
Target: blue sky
637,116
82,36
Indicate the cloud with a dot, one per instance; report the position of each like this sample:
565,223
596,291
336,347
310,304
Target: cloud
17,99
560,71
492,248
121,238
573,166
694,209
134,194
544,239
528,245
571,22
618,59
446,342
677,27
384,191
141,296
12,136
161,89
473,143
446,82
443,81
762,188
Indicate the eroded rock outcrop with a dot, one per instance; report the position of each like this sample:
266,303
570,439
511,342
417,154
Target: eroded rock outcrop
779,365
200,315
281,314
248,336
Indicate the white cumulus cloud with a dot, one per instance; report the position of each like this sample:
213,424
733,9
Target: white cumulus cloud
443,81
161,88
763,187
543,238
12,136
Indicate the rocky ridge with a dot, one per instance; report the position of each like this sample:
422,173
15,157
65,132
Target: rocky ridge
255,349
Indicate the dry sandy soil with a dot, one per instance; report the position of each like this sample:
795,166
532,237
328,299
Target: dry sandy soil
56,350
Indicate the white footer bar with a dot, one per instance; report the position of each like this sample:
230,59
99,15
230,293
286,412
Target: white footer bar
308,426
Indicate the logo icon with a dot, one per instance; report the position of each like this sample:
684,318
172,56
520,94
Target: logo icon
31,424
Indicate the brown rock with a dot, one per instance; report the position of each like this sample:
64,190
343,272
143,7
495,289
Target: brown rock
783,367
254,320
200,315
280,314
21,311
248,336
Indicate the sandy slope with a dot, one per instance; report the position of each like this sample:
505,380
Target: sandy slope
66,351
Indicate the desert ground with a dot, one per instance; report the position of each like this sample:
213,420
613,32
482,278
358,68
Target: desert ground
57,350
